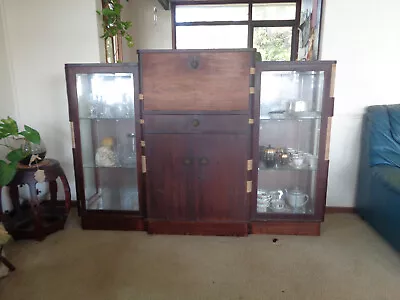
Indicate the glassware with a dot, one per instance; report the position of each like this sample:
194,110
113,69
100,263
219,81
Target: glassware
128,153
263,201
33,149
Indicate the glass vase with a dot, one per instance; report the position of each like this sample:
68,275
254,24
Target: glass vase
30,149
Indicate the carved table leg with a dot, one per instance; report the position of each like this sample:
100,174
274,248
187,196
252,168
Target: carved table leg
14,196
67,193
53,193
5,261
35,208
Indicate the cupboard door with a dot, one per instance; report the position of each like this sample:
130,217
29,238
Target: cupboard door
196,81
170,171
221,170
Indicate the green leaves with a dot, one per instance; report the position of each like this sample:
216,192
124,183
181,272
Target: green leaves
7,172
8,127
112,22
31,134
16,155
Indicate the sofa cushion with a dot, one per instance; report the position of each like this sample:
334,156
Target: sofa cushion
384,128
389,176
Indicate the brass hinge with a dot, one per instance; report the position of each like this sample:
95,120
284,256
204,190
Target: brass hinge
252,71
252,90
71,125
141,97
249,165
141,121
249,186
251,121
328,138
143,143
144,169
333,77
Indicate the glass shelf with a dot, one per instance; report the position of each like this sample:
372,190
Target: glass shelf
262,167
290,123
100,119
287,116
125,199
107,130
288,210
115,167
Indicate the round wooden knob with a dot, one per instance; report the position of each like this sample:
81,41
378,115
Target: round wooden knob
194,62
203,161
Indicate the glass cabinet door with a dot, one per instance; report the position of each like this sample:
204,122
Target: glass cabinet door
106,110
291,111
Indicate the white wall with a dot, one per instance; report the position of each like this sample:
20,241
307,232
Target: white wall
42,36
7,104
146,33
364,39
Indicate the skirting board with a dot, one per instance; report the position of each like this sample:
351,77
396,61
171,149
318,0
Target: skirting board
340,210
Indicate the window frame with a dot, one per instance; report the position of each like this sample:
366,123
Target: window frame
294,24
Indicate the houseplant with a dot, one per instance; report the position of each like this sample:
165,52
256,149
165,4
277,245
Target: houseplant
113,25
9,128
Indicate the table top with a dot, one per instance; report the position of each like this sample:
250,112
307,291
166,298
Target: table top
48,162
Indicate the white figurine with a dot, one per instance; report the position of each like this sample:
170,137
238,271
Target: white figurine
105,156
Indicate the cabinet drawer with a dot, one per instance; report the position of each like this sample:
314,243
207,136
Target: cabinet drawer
197,81
196,123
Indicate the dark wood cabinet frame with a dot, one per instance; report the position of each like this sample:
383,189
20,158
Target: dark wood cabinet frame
227,122
310,223
108,219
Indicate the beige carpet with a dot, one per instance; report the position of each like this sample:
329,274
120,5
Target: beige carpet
349,261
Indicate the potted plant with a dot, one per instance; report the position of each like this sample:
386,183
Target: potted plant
8,167
114,27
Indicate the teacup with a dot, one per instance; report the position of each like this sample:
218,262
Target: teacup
278,205
296,198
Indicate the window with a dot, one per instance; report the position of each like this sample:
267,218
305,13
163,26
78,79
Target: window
268,27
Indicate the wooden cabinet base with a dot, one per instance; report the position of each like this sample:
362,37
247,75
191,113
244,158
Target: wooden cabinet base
197,228
286,228
112,221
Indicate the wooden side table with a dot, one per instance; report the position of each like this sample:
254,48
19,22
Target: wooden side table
37,219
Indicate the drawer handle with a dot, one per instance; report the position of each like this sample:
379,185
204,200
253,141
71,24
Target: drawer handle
194,62
203,161
195,123
187,161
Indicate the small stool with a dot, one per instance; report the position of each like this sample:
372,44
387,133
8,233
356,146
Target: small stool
38,219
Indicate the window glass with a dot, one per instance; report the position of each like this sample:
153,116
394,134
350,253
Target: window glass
211,37
274,11
274,43
209,13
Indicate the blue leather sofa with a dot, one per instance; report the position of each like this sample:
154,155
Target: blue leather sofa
378,190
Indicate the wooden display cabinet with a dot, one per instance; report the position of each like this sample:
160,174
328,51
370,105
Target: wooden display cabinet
202,124
292,117
104,115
